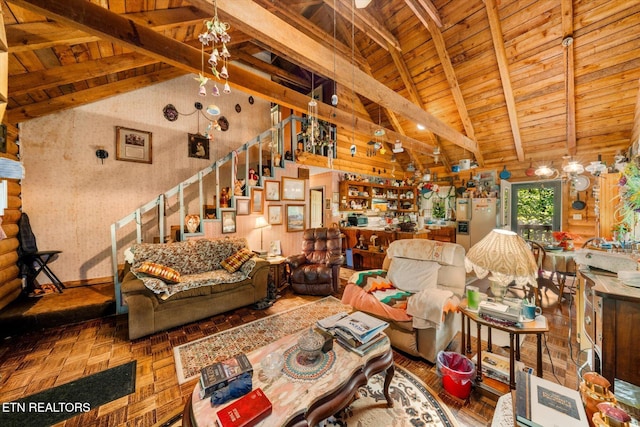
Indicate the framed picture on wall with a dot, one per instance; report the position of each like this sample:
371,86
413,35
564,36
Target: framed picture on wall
293,188
242,206
133,145
209,211
295,218
274,214
272,191
198,146
257,201
228,222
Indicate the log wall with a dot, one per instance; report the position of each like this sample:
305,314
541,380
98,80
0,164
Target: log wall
10,282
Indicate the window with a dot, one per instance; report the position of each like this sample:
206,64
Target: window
536,209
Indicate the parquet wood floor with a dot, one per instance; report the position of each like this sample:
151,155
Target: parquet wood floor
40,360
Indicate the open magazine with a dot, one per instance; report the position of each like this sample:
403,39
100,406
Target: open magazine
361,326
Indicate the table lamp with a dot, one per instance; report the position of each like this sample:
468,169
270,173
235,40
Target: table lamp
507,257
262,223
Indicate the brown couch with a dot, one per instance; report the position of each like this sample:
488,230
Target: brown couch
205,288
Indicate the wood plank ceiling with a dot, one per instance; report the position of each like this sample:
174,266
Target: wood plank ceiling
502,82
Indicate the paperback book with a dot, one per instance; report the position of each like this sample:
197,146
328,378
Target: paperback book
361,326
361,349
543,403
247,411
220,374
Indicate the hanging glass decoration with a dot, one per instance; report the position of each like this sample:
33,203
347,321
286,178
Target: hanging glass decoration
217,33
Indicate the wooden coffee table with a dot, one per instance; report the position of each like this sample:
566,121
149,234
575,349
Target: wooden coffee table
304,402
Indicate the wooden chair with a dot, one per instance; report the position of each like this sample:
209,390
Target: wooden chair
543,282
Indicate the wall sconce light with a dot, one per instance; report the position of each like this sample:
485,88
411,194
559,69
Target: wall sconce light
545,171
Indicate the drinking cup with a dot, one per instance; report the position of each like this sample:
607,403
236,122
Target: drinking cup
530,311
473,297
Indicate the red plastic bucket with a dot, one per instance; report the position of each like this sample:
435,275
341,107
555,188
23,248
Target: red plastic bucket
461,390
457,373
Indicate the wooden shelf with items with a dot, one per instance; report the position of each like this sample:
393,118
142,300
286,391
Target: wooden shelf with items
359,196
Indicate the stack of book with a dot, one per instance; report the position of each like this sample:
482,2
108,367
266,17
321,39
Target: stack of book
358,331
499,313
247,411
220,374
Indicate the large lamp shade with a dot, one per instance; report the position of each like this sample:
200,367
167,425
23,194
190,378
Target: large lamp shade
506,256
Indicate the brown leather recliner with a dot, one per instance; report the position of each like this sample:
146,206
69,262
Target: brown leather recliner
316,271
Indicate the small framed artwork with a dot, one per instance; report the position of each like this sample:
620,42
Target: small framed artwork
293,188
228,222
295,218
275,214
327,204
275,248
272,190
257,200
209,211
335,198
198,146
133,145
242,206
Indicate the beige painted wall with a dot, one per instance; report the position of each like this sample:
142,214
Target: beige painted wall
72,198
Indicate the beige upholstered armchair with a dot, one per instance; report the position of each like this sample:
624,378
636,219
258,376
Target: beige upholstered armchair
417,292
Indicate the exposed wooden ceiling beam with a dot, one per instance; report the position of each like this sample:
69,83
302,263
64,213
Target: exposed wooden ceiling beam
449,72
312,30
271,69
75,99
503,67
106,25
40,35
366,23
315,56
569,72
432,11
20,84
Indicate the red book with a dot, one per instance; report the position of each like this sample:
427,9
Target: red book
246,411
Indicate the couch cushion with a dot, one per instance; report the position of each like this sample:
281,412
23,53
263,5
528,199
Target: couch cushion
413,275
233,262
159,271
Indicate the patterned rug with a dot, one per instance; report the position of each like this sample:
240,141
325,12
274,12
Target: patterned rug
191,357
414,404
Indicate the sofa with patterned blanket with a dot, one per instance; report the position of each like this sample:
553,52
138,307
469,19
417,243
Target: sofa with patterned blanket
417,291
171,284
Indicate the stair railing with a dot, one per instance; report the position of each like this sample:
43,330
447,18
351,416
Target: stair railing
158,204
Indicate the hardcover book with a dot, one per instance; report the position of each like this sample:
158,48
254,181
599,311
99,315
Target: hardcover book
247,411
542,403
218,375
361,326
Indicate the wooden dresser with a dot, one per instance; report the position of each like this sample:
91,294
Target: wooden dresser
609,320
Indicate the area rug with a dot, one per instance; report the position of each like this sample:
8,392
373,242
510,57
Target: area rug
68,400
191,357
414,404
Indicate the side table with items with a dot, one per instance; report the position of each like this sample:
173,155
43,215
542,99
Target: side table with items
538,327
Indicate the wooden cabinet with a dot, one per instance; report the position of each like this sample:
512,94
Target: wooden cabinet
359,196
610,309
364,259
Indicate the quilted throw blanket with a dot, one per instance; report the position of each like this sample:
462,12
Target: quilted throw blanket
375,282
191,281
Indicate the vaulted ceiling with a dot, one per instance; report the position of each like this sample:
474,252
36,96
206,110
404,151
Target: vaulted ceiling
499,81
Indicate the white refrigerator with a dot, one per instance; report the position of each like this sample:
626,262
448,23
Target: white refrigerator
475,219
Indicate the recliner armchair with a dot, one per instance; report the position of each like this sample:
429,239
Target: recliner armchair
316,271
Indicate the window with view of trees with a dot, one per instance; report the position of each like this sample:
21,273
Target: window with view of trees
536,209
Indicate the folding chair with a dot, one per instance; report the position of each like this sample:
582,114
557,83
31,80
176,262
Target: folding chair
32,261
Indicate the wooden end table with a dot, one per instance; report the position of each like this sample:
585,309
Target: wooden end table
538,327
304,403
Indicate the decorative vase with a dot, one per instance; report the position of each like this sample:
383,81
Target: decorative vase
497,290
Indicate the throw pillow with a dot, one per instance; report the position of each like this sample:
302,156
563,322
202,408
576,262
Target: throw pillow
413,275
233,262
159,271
